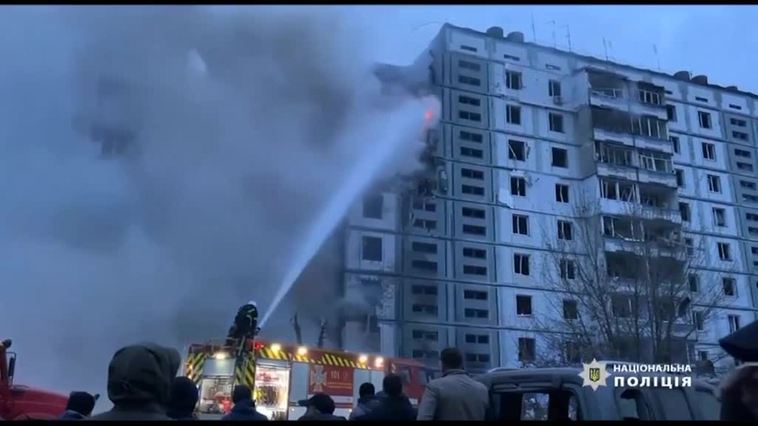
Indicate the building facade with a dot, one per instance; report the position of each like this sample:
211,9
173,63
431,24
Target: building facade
528,133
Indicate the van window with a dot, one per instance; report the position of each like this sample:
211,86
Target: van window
534,406
632,406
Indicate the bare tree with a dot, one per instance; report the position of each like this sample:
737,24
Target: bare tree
622,287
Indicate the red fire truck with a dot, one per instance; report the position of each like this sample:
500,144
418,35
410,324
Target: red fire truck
281,375
19,402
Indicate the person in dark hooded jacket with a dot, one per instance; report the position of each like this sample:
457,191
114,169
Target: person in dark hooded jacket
139,382
739,391
79,406
184,396
244,407
394,406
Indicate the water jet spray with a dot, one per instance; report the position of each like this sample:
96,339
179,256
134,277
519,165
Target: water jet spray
359,179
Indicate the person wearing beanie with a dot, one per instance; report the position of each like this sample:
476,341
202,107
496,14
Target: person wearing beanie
79,406
184,396
139,382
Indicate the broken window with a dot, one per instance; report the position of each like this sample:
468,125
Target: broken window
520,224
570,309
655,162
684,211
649,97
675,143
564,230
671,112
516,150
521,264
734,323
705,119
724,251
679,177
372,206
556,122
526,349
518,186
561,193
729,286
568,269
709,151
649,126
693,282
372,249
616,190
622,306
719,216
554,88
610,154
473,66
471,81
714,183
560,157
513,114
513,80
523,305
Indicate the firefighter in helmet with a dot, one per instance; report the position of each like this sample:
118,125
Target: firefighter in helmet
245,324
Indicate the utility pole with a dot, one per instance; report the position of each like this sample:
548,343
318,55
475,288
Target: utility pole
568,36
534,30
555,43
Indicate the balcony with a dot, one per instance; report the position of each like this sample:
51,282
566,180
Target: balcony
667,179
654,143
607,135
608,98
651,248
616,171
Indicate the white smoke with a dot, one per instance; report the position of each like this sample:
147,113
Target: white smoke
246,121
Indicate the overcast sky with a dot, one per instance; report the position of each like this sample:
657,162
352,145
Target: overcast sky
712,40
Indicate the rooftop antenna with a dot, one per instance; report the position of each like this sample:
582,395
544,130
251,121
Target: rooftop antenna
605,47
568,36
657,58
534,30
555,44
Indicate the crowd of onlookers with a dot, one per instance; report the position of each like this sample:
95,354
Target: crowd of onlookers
142,385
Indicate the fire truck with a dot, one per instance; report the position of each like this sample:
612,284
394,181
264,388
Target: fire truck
19,402
281,375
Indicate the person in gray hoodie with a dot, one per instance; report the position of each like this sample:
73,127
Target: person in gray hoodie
455,395
139,382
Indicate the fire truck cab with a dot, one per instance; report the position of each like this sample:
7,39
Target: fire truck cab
18,402
281,375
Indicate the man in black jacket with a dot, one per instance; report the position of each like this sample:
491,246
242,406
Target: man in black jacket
395,405
739,391
244,407
320,407
184,396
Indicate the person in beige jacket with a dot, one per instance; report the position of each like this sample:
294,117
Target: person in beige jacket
455,395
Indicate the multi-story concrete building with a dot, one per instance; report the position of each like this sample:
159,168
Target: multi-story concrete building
527,133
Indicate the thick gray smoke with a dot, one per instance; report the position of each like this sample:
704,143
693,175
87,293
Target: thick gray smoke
242,122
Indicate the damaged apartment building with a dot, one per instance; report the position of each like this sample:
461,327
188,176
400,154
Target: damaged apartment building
529,135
